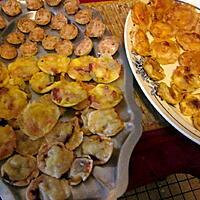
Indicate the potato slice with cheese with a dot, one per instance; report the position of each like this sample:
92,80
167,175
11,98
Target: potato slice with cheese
105,96
19,170
23,68
37,119
105,70
68,94
4,76
53,63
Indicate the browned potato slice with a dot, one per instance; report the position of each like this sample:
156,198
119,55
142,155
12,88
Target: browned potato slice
153,69
34,4
84,47
140,43
25,25
196,120
181,16
54,159
68,32
2,22
68,94
8,51
185,79
26,146
53,2
19,170
42,16
189,41
80,68
105,96
101,147
190,104
141,15
23,68
11,7
83,16
7,141
162,30
4,76
105,69
71,6
40,187
95,28
37,119
49,42
53,64
12,102
41,82
64,47
165,52
171,95
28,49
15,38
37,34
58,21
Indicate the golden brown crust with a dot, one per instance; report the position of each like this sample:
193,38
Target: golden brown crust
11,7
83,16
3,23
25,25
58,21
8,51
68,32
34,4
71,6
15,38
49,42
42,17
53,2
28,49
37,34
64,47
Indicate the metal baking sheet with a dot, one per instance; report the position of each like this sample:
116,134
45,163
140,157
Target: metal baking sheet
108,181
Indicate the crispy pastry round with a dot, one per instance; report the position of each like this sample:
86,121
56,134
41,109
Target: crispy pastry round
25,25
185,78
84,47
54,159
153,69
7,141
53,63
68,32
23,68
4,76
165,52
64,47
43,184
42,16
95,28
105,69
58,21
190,104
19,170
37,34
71,6
83,16
26,146
11,7
28,49
12,102
68,94
15,37
105,122
101,147
49,42
53,2
188,41
140,42
79,68
8,51
196,120
3,23
34,4
105,96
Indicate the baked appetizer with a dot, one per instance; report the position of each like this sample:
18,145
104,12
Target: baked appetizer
26,146
104,122
8,51
15,38
84,47
49,42
19,170
49,188
25,25
53,2
11,8
54,159
68,32
7,141
105,69
37,119
28,49
95,28
80,170
100,147
71,6
4,76
37,34
58,21
105,96
64,47
43,16
83,16
3,23
34,4
68,94
80,68
23,68
53,63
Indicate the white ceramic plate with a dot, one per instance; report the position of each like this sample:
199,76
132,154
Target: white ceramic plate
170,113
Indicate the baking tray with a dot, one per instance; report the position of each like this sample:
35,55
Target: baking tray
108,181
